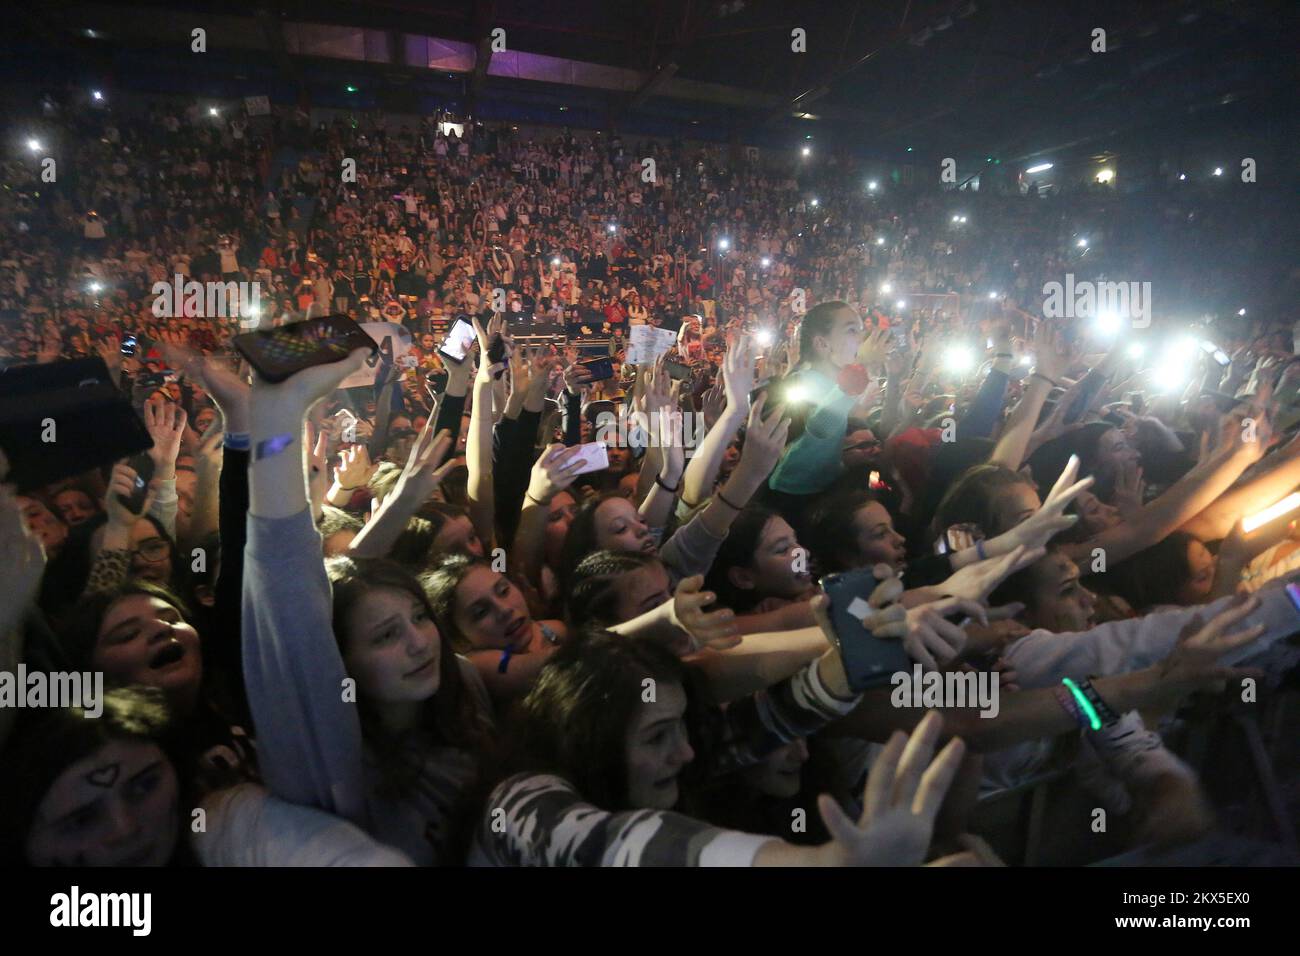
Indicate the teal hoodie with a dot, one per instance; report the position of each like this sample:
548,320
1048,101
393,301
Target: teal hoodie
813,461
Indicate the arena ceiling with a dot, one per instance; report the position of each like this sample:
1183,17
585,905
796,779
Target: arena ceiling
999,76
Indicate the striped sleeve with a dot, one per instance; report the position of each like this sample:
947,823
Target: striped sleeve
796,707
540,820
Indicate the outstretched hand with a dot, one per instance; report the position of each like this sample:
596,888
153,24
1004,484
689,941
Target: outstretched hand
905,789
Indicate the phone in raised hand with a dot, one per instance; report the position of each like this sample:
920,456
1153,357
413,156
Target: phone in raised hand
143,467
278,353
459,339
594,456
869,661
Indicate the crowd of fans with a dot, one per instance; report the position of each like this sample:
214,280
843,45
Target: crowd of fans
397,623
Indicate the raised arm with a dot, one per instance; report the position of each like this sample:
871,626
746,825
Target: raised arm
478,446
552,473
738,382
1186,498
1013,444
424,471
308,733
1276,483
541,820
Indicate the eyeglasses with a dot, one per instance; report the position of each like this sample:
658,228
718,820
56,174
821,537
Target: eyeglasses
152,549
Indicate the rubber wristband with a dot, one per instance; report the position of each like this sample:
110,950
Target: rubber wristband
272,446
979,549
999,355
723,498
237,441
1104,711
1049,381
1066,699
660,482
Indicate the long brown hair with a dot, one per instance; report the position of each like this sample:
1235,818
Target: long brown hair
451,716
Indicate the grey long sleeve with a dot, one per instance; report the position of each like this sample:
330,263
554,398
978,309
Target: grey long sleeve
308,738
1042,658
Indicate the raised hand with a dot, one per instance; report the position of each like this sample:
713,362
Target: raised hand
553,472
1193,663
575,377
977,581
425,468
672,445
905,789
109,349
304,389
1036,530
166,426
764,443
706,630
1049,351
227,387
738,373
1130,489
874,349
121,484
976,852
714,402
933,640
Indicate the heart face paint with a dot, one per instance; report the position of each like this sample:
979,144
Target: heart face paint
104,776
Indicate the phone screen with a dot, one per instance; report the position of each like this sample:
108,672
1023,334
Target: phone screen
459,339
600,369
143,467
678,372
868,661
594,457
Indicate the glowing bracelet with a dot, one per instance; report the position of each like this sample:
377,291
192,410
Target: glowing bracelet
1084,705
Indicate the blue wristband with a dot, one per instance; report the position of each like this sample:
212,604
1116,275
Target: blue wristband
272,446
979,549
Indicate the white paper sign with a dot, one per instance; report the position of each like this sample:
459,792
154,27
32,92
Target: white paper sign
257,105
646,343
399,341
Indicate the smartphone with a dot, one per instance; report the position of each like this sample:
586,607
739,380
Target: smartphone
459,339
958,537
497,353
278,353
600,369
868,661
594,457
678,372
143,467
1293,592
133,345
1220,356
1137,402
